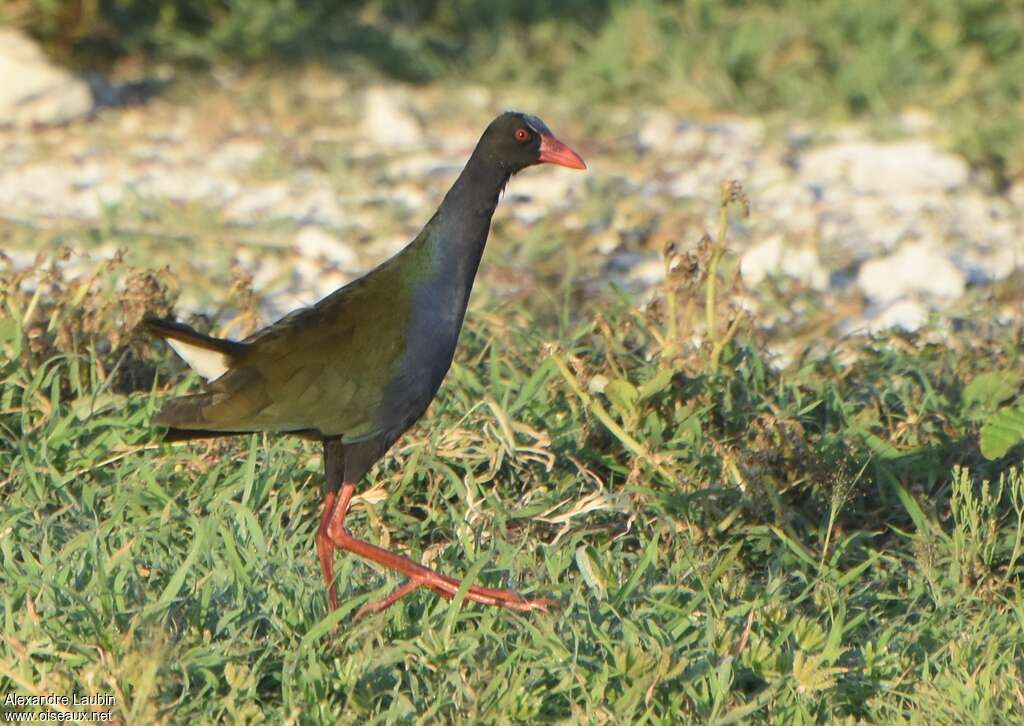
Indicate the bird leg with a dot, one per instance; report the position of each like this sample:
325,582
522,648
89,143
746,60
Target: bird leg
325,549
419,576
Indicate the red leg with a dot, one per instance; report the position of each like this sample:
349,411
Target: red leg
325,549
419,576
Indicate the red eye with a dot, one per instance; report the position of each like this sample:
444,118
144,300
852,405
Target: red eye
522,135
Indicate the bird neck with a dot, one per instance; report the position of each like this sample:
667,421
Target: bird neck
465,218
475,193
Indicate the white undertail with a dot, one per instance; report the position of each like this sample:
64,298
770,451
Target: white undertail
210,364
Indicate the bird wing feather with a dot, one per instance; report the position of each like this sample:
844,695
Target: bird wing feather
322,368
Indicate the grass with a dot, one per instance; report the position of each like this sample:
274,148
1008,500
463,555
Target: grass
729,541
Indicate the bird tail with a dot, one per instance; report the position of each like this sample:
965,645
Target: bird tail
208,356
211,358
184,411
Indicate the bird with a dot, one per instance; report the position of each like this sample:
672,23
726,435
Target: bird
356,369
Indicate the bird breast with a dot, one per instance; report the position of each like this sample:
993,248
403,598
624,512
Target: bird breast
434,326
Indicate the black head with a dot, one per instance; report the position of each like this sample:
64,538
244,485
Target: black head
516,140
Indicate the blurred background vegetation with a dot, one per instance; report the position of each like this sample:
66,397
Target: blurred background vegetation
828,59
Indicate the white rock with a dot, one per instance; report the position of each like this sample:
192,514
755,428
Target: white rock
905,314
316,203
803,264
389,121
686,185
648,273
33,90
1016,194
551,188
184,184
420,165
884,168
984,266
917,121
772,257
527,212
265,269
914,268
407,195
236,155
314,242
384,247
324,283
51,189
658,130
256,201
738,133
605,241
19,259
476,96
277,305
761,260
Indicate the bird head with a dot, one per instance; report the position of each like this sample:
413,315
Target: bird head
517,140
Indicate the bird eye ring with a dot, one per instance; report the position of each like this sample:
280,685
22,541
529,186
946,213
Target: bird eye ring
522,135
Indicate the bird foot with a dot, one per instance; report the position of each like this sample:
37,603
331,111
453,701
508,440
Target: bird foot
447,587
333,535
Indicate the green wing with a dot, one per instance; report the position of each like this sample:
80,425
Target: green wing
322,368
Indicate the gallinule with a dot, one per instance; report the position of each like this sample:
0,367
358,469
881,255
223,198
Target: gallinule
359,367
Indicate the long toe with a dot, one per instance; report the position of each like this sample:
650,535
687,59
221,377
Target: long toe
447,588
384,603
511,598
515,601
